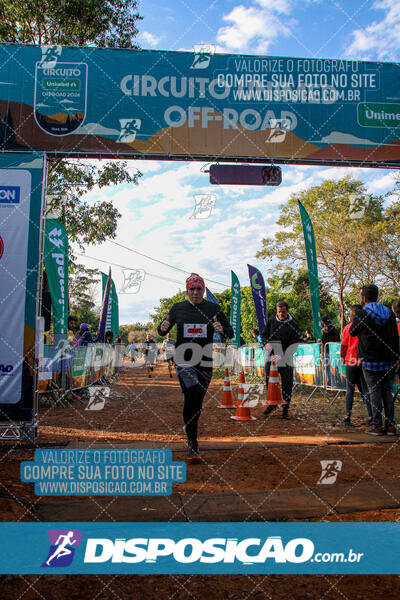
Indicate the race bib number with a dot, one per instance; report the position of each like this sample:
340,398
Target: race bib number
192,330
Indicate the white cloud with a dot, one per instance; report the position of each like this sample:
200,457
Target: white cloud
379,184
254,28
381,39
155,221
149,38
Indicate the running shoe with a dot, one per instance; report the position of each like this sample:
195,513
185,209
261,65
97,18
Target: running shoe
193,453
285,412
376,431
269,409
391,431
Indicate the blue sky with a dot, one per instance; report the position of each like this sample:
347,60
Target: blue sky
157,214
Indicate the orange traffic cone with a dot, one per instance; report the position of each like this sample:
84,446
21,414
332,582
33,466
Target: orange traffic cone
227,395
242,412
274,393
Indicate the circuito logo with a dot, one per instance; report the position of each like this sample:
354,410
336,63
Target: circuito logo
62,547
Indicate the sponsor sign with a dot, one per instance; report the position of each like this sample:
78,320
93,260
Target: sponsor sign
20,209
199,105
308,365
60,97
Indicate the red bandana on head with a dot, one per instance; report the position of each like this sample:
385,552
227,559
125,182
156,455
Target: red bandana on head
195,279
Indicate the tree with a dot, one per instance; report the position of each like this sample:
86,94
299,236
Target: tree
82,286
69,181
291,285
102,23
162,310
337,228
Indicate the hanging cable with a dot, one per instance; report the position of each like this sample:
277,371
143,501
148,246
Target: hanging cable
163,263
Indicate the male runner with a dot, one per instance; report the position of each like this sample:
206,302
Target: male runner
169,349
196,321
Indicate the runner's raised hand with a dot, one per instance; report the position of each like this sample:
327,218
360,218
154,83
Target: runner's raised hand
217,325
165,324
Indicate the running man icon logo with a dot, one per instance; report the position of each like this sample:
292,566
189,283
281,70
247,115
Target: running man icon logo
132,281
202,56
61,552
203,205
357,206
253,394
97,398
129,129
330,471
50,56
278,131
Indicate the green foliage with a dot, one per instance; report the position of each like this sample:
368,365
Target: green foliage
82,284
137,333
343,217
69,181
102,23
292,286
162,310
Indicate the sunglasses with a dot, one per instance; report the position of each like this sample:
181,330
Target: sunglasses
199,288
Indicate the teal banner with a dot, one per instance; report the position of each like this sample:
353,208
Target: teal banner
308,365
336,371
235,310
56,263
199,105
312,264
64,548
112,319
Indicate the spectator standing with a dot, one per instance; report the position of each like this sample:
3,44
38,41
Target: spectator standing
354,372
378,350
85,337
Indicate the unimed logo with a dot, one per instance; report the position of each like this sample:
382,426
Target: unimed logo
9,194
191,550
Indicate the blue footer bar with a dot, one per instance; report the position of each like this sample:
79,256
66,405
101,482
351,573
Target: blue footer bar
192,548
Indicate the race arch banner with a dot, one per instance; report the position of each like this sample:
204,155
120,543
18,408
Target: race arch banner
198,105
21,186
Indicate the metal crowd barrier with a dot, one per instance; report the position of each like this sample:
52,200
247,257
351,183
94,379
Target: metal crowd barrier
64,370
314,365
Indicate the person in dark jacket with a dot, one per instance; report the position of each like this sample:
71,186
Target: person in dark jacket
85,337
281,330
329,332
196,320
378,350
